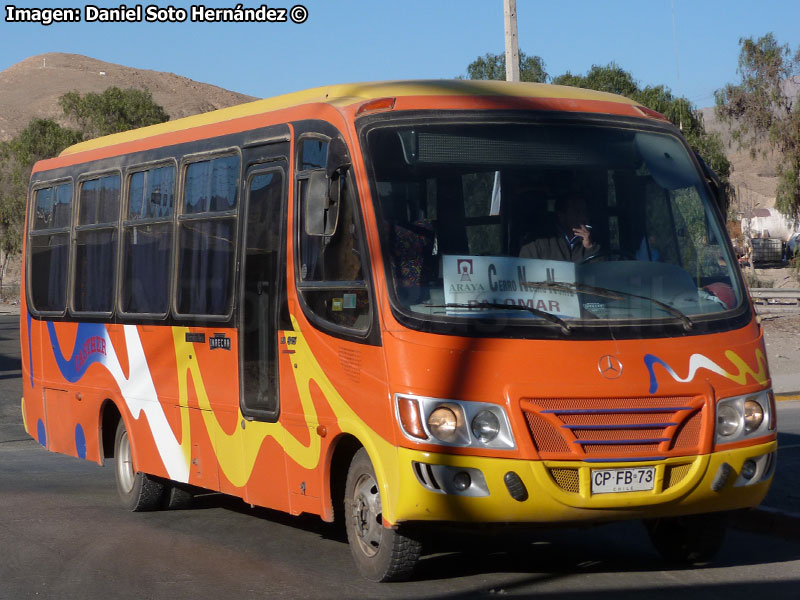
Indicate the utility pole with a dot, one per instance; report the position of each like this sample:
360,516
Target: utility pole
512,44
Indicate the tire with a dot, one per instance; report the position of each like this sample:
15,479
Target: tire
138,492
380,553
688,540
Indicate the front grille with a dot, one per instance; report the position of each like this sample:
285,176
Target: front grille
609,428
567,479
674,474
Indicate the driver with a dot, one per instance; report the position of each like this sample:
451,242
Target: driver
572,239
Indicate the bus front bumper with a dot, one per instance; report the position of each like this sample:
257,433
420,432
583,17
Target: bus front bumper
469,489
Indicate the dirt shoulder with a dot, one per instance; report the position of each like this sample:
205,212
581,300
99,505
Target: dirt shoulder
782,339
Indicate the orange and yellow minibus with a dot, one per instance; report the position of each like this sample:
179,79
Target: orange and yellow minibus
402,305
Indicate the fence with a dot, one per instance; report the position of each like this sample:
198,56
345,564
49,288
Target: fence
776,301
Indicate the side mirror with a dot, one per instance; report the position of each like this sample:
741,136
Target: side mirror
322,211
323,190
338,158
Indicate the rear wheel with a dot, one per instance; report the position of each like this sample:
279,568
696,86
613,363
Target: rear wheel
138,492
380,553
690,539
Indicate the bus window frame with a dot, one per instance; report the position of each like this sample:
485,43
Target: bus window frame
371,335
76,228
31,232
180,217
125,222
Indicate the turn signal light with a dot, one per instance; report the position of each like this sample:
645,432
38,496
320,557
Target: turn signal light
378,104
410,417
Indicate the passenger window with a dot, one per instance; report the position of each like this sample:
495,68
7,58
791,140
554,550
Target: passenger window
49,248
211,185
96,245
147,242
206,237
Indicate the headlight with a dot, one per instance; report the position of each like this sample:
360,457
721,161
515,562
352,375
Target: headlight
742,417
485,426
443,424
728,420
753,415
454,422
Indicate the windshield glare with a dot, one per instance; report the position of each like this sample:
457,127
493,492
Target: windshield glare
584,223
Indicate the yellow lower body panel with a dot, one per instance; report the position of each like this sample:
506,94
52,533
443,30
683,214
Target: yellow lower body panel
561,491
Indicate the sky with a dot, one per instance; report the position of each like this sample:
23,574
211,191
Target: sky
690,46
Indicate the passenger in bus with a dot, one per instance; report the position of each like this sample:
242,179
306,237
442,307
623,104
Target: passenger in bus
648,249
413,246
571,239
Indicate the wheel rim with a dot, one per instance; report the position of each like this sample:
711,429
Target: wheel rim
125,472
367,514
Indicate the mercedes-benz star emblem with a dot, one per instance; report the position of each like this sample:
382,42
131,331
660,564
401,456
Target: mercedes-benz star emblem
610,367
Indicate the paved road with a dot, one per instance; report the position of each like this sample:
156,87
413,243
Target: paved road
784,496
63,535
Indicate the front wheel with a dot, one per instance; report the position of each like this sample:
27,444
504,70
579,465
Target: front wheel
689,540
380,553
138,492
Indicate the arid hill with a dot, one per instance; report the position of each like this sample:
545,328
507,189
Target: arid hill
31,88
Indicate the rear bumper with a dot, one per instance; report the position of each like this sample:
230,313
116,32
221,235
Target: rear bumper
560,491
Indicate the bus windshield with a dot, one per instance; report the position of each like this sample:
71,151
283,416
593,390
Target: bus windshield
555,227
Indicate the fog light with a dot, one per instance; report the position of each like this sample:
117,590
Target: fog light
753,415
728,419
485,426
462,481
749,469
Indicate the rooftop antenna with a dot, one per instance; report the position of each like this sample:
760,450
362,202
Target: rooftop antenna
677,67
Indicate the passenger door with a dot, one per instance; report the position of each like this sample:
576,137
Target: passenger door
263,287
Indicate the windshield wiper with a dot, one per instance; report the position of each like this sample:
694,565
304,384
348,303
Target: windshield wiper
564,286
566,329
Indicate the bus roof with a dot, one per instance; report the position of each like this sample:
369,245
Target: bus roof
347,94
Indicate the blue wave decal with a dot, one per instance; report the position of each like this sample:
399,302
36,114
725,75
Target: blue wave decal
41,433
649,361
30,353
91,346
80,441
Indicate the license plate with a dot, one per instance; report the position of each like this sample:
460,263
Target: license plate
634,479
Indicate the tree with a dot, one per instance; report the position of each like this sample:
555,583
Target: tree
42,138
763,114
493,66
113,111
611,78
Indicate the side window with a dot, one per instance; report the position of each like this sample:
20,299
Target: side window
147,241
96,245
49,247
331,271
207,236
